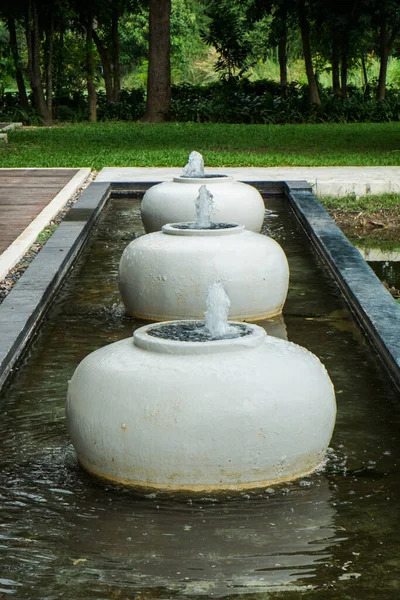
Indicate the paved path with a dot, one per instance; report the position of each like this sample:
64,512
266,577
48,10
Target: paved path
335,181
29,200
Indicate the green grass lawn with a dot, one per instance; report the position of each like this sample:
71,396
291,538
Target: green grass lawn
128,144
368,203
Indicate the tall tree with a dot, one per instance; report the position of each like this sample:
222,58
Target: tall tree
91,88
19,75
107,39
388,17
340,28
227,33
280,12
303,12
284,13
33,38
159,67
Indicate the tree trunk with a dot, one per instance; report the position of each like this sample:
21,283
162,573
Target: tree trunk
33,36
23,98
91,89
344,67
159,69
335,67
106,63
282,57
115,53
305,38
59,64
49,63
384,57
365,73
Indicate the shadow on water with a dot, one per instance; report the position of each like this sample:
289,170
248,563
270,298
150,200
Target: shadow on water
66,535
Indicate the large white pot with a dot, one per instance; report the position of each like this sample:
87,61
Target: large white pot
174,202
215,415
166,275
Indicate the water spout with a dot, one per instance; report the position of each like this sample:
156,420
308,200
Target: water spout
216,315
195,165
204,204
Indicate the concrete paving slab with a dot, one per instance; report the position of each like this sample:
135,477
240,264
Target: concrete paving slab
332,181
10,257
378,255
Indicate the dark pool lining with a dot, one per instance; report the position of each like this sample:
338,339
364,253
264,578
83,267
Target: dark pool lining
375,310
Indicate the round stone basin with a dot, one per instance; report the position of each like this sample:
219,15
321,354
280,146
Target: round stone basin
166,275
171,410
174,202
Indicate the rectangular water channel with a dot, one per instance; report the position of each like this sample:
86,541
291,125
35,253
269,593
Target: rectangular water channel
330,535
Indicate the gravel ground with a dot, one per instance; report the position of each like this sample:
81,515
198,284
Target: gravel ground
383,224
380,226
11,279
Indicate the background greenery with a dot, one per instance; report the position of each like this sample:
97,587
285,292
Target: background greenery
225,64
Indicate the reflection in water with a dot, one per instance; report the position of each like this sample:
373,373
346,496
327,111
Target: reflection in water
379,255
385,264
203,547
65,535
387,271
275,326
67,530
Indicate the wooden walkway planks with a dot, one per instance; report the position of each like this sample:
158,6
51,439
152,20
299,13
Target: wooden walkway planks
24,193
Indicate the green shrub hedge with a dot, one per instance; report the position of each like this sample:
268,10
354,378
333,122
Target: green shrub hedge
235,101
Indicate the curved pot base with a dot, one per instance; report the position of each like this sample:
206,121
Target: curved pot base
147,488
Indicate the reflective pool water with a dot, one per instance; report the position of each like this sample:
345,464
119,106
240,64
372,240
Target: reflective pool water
65,535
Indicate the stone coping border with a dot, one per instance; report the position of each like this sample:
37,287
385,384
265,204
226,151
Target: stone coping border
6,126
325,181
375,310
24,241
23,309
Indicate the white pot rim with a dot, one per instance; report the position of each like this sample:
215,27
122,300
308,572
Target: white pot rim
171,229
142,339
207,179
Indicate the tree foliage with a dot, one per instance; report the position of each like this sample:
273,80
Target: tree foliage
54,50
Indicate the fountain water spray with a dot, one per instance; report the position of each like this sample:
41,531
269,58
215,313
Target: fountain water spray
216,315
195,165
204,204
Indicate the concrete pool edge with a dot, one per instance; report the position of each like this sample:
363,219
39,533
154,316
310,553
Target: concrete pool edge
375,310
11,255
23,309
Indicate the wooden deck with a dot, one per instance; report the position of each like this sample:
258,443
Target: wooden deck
24,193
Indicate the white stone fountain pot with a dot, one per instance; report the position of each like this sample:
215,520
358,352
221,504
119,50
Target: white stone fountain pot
166,275
174,202
200,416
